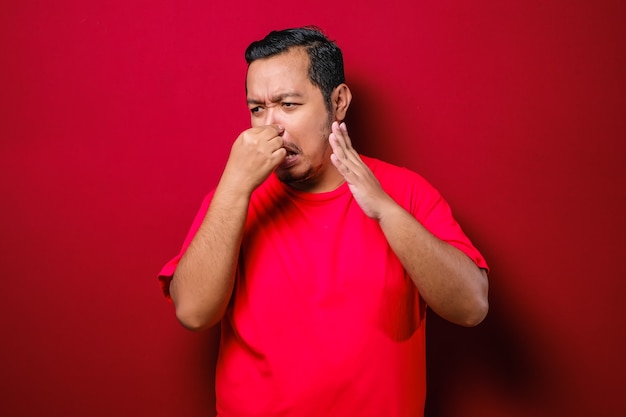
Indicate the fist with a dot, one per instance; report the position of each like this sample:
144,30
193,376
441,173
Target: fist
254,155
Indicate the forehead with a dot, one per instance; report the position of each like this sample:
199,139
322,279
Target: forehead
273,75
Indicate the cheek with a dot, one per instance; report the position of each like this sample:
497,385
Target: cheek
324,130
308,133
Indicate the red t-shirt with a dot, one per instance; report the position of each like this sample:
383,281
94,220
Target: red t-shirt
323,319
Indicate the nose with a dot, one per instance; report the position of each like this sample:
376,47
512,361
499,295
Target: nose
272,116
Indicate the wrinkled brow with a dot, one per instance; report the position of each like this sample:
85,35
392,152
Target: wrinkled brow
276,99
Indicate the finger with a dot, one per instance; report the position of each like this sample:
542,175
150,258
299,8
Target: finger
341,161
336,136
336,145
341,167
345,150
279,129
267,132
278,156
275,143
342,135
344,131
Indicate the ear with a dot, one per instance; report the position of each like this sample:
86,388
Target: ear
340,100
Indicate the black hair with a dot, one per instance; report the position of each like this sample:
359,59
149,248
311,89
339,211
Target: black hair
326,59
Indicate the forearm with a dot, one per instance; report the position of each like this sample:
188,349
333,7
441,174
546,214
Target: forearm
452,285
204,279
449,281
205,276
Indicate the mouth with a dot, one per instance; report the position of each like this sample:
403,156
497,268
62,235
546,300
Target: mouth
292,155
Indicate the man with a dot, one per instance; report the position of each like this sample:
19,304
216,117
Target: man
317,261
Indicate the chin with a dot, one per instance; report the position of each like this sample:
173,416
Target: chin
293,177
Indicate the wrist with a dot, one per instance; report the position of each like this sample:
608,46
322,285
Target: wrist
233,194
388,211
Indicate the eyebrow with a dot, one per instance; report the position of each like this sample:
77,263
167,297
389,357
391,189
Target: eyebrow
276,98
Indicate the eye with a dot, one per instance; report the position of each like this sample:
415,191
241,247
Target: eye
255,110
289,106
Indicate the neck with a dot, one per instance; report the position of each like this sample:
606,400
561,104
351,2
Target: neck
329,182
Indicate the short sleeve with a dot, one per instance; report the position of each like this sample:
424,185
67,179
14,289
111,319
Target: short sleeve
434,213
441,223
427,205
167,272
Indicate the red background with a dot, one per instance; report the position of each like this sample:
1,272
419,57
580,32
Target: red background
117,117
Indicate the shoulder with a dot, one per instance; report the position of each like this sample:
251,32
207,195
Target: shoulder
394,178
269,193
408,188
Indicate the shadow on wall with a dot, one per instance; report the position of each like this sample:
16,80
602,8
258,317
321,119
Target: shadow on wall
491,368
460,361
496,368
366,127
196,354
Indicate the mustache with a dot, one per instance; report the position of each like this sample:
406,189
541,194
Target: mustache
291,147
